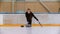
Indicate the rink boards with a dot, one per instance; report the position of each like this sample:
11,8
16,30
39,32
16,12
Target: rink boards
20,19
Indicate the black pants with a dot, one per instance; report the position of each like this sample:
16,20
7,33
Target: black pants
29,22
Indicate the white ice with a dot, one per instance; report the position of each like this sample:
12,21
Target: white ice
30,30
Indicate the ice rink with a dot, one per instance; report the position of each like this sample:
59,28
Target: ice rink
30,30
48,19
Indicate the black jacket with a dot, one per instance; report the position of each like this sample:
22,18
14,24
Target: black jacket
30,15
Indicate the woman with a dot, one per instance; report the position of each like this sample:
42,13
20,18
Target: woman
29,16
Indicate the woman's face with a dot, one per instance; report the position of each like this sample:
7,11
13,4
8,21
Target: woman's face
28,11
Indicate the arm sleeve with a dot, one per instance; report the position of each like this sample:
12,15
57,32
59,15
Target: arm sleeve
34,16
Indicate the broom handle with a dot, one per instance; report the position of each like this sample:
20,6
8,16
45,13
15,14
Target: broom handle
40,24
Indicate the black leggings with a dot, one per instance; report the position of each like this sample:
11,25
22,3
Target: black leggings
29,22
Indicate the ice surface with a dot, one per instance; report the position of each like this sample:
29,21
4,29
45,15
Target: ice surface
30,30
